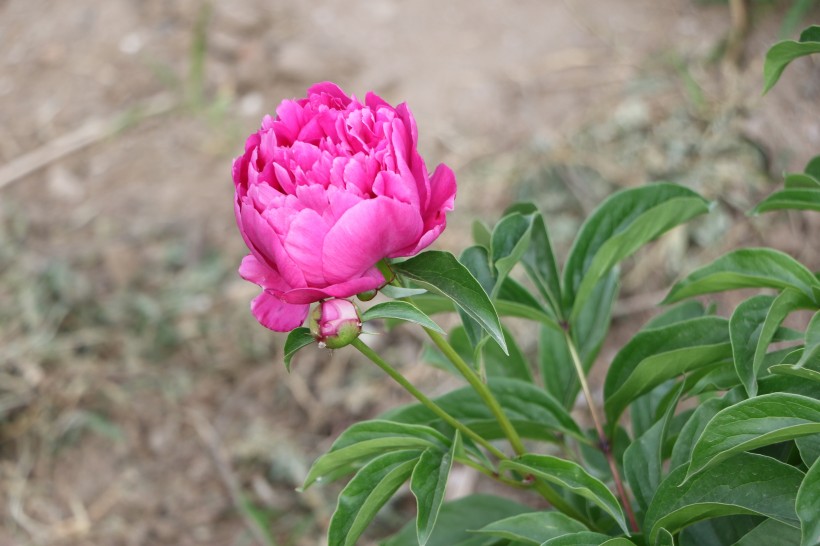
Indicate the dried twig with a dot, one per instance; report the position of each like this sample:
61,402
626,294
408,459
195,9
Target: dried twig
210,438
90,133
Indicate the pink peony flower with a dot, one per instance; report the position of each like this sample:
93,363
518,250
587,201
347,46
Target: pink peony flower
324,191
335,323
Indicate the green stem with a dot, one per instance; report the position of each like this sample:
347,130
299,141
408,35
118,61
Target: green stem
481,388
429,404
603,441
509,431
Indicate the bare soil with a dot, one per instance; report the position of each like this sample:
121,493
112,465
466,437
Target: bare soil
140,403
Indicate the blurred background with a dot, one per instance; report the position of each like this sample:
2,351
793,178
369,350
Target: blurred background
140,403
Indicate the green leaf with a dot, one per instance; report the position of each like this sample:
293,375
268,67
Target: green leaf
809,447
588,538
440,272
770,532
753,423
653,356
477,261
787,301
456,517
796,181
541,266
646,410
747,268
481,234
513,366
297,339
677,313
428,483
811,343
533,412
618,227
795,199
782,53
691,431
588,332
510,240
571,476
808,506
745,484
724,530
643,459
366,493
533,528
813,168
745,328
367,439
400,310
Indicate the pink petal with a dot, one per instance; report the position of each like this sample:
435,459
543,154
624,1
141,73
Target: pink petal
257,272
303,243
276,315
365,234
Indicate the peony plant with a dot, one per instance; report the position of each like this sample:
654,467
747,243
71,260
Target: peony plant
334,201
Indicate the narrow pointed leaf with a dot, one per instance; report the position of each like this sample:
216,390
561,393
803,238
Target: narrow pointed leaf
808,506
620,226
481,234
533,528
813,168
588,538
782,53
790,199
691,431
770,532
571,476
643,459
400,310
677,313
533,412
440,272
745,484
541,265
477,261
753,423
796,181
745,328
653,356
297,339
428,483
366,493
510,240
513,366
363,441
747,268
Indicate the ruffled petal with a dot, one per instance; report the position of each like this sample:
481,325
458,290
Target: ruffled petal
276,315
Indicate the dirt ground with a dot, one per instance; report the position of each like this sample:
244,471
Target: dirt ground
140,403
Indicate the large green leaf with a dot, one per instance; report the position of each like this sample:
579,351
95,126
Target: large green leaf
655,355
510,240
753,423
588,538
533,528
782,53
400,310
365,440
618,227
691,431
811,345
557,370
745,328
457,517
366,493
297,339
428,483
477,261
794,199
745,484
747,268
770,532
643,459
808,506
724,530
798,181
533,412
571,476
440,272
677,313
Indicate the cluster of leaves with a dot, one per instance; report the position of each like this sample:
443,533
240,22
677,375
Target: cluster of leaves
739,467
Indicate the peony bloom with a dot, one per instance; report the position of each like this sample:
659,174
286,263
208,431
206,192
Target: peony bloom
324,191
335,323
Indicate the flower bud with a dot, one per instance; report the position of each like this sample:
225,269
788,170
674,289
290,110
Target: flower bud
367,295
335,323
